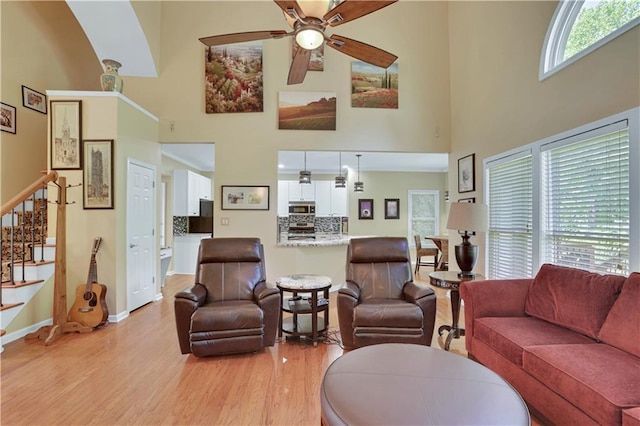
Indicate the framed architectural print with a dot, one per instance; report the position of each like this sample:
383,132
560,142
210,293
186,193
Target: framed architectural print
365,208
66,133
392,208
98,174
467,174
245,197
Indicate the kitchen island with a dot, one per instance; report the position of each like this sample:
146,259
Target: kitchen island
320,240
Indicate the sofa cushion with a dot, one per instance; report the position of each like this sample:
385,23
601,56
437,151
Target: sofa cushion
509,335
622,326
631,417
573,298
598,378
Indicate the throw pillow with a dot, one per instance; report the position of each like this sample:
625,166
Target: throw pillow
576,299
622,326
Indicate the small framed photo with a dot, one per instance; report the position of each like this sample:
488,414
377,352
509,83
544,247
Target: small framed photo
392,208
365,208
7,118
34,100
467,174
98,174
66,133
467,200
245,197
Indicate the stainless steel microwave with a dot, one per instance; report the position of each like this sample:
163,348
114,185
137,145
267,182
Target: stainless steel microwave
302,208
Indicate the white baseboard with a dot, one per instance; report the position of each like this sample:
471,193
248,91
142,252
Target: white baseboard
119,317
10,337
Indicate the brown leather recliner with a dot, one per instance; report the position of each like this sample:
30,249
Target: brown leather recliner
230,308
380,303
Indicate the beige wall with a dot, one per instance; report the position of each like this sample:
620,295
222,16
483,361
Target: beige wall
43,48
497,101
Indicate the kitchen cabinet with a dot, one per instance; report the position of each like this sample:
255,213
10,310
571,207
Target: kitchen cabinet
188,189
339,201
283,198
323,197
185,252
301,192
330,201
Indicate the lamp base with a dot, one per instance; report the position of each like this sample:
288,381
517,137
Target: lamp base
466,255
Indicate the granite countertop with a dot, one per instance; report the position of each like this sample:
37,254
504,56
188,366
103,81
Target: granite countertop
321,240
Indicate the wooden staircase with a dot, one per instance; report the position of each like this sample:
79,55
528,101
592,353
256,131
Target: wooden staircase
27,260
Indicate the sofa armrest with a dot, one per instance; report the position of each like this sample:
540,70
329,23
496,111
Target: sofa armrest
413,292
185,304
347,299
268,298
493,298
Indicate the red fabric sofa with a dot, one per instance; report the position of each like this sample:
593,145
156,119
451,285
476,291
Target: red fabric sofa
568,340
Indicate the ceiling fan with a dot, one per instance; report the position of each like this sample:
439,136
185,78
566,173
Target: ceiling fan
308,31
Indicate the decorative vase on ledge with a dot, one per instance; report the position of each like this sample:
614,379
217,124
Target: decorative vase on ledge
111,80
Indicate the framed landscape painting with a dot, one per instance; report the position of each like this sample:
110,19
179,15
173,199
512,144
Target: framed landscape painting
66,132
307,111
374,87
233,78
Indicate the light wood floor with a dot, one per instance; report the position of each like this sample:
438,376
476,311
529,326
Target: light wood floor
133,373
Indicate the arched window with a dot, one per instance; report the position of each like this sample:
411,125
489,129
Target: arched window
579,27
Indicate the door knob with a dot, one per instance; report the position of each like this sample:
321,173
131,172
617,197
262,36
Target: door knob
131,245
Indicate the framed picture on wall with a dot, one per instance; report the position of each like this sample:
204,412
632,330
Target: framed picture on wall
97,176
467,200
7,118
35,100
365,208
66,132
467,174
392,208
245,197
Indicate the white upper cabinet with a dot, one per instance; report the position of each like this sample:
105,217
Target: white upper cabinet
330,201
188,189
301,192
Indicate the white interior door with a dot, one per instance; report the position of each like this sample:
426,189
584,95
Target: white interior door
141,240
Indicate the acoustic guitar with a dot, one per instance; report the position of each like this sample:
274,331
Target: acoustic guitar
90,307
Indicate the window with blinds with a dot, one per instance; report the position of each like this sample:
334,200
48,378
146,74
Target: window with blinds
423,209
510,203
585,201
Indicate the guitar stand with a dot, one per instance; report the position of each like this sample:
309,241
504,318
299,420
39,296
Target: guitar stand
49,333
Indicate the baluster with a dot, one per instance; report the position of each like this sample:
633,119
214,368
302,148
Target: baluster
11,246
43,206
33,228
22,234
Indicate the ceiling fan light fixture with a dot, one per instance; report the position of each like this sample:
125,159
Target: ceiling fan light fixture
309,38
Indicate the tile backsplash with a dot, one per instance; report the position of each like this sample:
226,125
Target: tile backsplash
180,225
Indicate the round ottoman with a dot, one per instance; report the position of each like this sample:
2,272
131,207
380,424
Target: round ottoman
405,384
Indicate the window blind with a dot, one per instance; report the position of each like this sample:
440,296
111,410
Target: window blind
510,202
585,212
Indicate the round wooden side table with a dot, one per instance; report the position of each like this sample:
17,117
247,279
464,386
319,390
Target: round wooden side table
451,281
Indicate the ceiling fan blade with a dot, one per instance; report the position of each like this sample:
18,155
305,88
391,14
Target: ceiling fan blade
242,37
364,52
350,10
299,66
286,5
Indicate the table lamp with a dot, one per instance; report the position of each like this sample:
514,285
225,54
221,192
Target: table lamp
467,218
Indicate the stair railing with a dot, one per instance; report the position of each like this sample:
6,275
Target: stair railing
37,188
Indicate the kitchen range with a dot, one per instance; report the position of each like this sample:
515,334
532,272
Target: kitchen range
302,215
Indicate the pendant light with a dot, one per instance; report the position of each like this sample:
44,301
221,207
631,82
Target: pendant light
341,181
358,186
305,175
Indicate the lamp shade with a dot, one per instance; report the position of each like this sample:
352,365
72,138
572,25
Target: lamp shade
468,217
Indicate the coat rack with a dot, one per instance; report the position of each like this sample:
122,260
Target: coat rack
49,333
